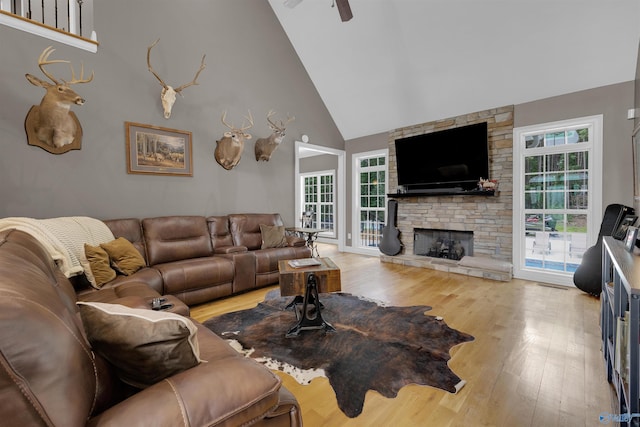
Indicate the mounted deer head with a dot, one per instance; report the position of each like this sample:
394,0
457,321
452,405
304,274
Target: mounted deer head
229,148
52,125
168,94
266,146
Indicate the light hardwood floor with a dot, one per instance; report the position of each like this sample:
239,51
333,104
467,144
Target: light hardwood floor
535,361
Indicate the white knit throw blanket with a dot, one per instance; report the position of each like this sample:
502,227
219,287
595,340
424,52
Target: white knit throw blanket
63,237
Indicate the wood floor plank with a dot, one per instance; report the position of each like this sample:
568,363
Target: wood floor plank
535,360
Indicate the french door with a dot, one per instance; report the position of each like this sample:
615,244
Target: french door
557,197
318,199
370,189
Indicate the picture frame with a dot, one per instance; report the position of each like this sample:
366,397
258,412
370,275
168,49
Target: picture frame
157,150
620,232
630,239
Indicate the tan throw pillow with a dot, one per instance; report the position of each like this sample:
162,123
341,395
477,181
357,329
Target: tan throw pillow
272,236
96,265
124,256
145,346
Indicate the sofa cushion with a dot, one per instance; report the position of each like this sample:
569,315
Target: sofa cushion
197,280
245,228
96,265
130,229
219,231
123,256
112,294
145,346
272,236
176,238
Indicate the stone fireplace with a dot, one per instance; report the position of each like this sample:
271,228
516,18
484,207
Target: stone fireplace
488,218
447,244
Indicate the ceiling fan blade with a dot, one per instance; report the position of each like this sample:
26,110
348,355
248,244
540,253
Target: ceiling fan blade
344,9
291,3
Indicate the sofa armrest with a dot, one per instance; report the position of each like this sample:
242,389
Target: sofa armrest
132,302
244,265
287,413
229,250
231,391
295,241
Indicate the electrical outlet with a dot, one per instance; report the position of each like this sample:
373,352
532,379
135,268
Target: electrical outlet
349,236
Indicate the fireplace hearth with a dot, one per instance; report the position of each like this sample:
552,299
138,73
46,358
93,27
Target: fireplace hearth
447,244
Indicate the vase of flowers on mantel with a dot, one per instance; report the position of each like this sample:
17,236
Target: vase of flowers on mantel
488,184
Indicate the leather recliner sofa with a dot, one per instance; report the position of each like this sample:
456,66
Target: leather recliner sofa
50,374
198,259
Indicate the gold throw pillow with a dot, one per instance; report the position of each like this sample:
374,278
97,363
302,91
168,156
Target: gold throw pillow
124,256
96,265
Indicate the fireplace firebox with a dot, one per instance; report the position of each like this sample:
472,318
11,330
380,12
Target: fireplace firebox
448,244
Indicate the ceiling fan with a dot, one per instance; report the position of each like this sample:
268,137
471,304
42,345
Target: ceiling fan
343,7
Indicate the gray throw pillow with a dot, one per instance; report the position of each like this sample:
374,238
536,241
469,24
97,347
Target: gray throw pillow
145,346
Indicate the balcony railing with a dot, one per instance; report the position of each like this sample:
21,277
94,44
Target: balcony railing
66,21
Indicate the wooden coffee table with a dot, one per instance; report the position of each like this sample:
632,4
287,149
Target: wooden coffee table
304,284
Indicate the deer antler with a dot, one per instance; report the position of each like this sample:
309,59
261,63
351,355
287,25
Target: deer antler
164,85
224,115
270,114
289,120
179,88
81,79
193,82
43,60
250,118
282,125
232,127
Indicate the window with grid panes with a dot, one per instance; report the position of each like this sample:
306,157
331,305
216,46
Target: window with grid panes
556,189
318,197
372,190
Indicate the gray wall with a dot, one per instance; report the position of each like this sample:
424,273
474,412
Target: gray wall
319,163
250,65
612,102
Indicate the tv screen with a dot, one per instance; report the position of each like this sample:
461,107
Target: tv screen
449,158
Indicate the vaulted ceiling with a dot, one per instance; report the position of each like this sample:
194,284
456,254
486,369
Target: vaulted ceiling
403,62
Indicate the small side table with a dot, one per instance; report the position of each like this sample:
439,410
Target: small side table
309,234
304,284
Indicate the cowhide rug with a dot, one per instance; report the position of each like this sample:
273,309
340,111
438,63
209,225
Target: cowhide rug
375,347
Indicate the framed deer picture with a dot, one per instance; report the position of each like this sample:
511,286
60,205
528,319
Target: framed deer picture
158,151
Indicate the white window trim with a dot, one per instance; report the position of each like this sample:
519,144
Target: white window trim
26,25
594,200
355,190
327,234
341,199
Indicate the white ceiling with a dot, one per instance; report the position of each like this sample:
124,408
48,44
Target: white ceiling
404,62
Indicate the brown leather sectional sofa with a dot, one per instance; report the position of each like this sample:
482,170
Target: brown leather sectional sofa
49,373
199,259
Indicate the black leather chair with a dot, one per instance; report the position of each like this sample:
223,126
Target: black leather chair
588,275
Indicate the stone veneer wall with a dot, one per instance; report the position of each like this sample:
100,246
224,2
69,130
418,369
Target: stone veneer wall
489,217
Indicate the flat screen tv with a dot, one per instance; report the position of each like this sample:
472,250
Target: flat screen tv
452,158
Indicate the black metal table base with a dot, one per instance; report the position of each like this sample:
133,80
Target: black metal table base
304,321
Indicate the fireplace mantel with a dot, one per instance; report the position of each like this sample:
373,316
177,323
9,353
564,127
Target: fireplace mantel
427,193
